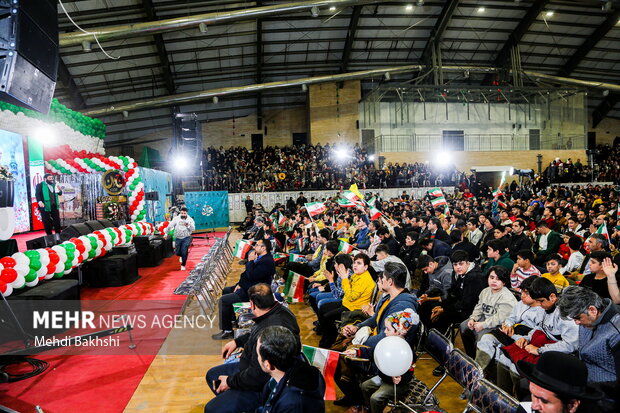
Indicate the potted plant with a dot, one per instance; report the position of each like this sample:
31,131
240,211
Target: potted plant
7,192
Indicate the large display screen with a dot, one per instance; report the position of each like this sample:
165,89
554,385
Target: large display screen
12,156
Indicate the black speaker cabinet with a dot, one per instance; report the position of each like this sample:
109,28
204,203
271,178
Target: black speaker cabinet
106,223
75,230
94,225
43,242
28,52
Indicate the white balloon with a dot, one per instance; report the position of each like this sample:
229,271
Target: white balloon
42,272
393,356
21,259
44,257
22,269
19,282
50,276
60,267
9,290
33,283
68,271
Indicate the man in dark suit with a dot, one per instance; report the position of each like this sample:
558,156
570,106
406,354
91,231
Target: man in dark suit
47,193
259,268
436,232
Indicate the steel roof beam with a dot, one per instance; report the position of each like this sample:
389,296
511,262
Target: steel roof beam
440,28
585,48
604,108
149,8
348,43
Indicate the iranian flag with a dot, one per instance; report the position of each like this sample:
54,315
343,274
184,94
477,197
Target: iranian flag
374,213
237,307
296,258
278,255
501,204
242,248
497,193
439,201
345,247
436,192
345,203
326,361
351,196
294,288
372,201
301,244
281,219
315,208
603,230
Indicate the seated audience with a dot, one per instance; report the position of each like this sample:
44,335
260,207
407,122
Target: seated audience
553,274
523,269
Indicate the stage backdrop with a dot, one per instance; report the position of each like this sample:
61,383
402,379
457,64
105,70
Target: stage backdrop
209,209
12,156
161,183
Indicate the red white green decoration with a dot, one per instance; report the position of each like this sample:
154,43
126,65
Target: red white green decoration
27,269
315,208
98,163
294,288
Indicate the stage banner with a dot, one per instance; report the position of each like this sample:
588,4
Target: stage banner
12,156
160,182
209,209
35,163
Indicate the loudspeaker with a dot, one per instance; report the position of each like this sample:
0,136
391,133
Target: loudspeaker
28,52
151,196
75,230
43,242
94,225
591,140
106,223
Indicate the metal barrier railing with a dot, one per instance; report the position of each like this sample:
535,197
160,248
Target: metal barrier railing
211,273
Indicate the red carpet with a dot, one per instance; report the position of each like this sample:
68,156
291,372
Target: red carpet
101,383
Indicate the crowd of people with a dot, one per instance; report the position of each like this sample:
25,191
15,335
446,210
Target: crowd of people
529,279
312,167
606,167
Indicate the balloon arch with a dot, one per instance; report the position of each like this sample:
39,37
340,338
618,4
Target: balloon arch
30,267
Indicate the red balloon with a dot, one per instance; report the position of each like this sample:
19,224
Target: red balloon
7,262
51,269
8,275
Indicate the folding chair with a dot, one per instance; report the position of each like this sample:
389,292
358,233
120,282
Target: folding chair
439,348
486,397
464,370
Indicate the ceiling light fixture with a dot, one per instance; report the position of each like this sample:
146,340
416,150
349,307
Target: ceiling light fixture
481,9
314,11
550,13
409,7
332,8
86,46
203,28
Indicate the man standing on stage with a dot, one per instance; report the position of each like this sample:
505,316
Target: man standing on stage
47,193
183,226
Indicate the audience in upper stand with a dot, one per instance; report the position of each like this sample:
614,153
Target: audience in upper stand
544,244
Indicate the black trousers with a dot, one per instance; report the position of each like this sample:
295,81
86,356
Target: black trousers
329,315
227,312
51,220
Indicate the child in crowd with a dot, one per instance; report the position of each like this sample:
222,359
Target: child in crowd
575,259
525,316
379,390
553,264
523,268
597,279
495,303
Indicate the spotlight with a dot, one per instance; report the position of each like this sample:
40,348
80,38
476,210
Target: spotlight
125,114
45,136
86,46
180,163
332,8
387,76
341,153
549,13
371,158
420,2
304,87
443,159
314,11
409,7
203,28
215,99
481,9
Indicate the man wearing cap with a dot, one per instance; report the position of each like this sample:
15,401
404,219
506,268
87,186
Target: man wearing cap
47,193
558,384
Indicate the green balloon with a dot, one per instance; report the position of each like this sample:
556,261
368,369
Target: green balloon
91,253
35,264
32,254
68,265
31,276
59,274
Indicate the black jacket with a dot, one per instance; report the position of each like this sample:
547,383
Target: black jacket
38,193
261,271
518,243
441,235
301,390
250,376
472,251
463,295
393,245
409,255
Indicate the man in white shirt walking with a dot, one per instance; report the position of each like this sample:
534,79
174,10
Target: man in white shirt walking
183,226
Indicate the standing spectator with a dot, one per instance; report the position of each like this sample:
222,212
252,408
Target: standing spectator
249,204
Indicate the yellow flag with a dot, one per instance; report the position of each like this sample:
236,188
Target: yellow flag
356,191
320,224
